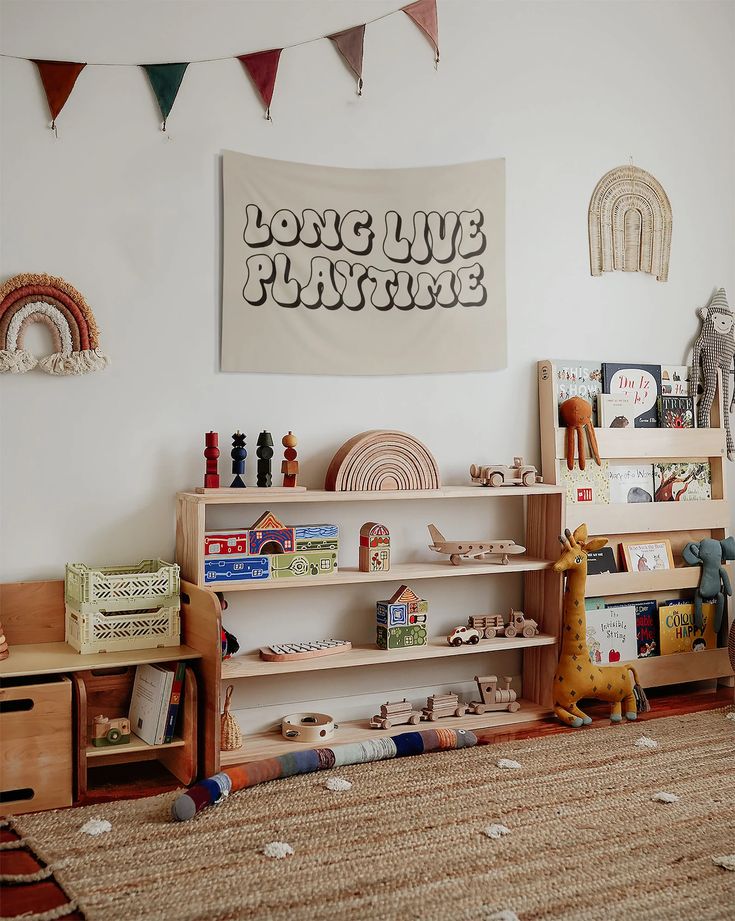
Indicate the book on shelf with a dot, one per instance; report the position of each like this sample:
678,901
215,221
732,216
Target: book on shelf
677,630
675,380
684,481
599,561
676,413
179,670
611,633
641,382
646,626
590,486
150,701
631,482
575,378
616,410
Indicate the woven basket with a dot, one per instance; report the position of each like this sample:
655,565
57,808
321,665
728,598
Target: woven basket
231,736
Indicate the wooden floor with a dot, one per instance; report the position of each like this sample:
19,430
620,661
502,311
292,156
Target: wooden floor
44,896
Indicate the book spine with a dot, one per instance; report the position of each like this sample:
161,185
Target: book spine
165,699
173,710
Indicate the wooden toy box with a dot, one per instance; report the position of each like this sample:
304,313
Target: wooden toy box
36,751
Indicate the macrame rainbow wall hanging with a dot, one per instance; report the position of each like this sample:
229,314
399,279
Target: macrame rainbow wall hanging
28,299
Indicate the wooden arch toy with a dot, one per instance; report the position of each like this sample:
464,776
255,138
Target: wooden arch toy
382,460
28,299
630,224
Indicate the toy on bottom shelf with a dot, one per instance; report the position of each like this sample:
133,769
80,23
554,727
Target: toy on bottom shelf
401,620
230,732
289,464
494,698
441,705
374,547
396,713
110,732
519,474
472,549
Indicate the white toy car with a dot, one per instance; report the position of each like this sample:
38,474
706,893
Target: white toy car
463,634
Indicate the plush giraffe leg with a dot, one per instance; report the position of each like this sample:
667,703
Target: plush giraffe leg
629,706
615,714
577,712
566,717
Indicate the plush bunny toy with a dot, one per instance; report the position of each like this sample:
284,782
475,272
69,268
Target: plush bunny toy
714,582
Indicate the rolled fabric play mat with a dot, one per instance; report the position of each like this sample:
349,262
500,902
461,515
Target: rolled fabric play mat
215,789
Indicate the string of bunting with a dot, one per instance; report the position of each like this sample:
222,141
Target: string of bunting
59,77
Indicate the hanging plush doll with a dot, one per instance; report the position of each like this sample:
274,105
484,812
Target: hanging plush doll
576,414
715,349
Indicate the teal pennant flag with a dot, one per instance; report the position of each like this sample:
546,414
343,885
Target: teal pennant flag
165,81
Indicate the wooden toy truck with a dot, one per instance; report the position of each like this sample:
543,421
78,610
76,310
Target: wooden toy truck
519,623
441,705
492,625
396,713
494,698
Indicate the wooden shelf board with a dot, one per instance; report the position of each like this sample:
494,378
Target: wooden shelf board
271,744
683,667
633,583
251,665
264,496
656,444
48,658
135,744
399,572
639,518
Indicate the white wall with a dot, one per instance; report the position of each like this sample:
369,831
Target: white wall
564,91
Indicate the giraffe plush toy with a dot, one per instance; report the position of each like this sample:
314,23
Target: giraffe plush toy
576,677
715,349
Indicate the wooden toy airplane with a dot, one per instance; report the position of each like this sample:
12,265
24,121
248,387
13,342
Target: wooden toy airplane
472,550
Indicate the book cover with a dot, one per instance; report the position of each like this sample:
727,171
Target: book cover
642,382
646,627
576,378
616,411
686,481
590,486
676,412
677,631
675,380
599,561
611,634
177,669
148,699
631,482
166,695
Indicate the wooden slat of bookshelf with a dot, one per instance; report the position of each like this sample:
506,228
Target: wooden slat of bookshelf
640,518
683,667
50,658
271,744
633,583
251,665
657,444
135,744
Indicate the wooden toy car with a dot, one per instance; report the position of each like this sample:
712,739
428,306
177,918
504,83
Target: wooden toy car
494,698
110,732
519,474
488,626
396,713
463,634
441,705
519,623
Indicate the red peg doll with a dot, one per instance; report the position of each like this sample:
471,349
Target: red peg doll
290,466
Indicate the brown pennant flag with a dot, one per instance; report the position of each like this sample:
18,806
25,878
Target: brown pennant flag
423,13
263,67
350,44
58,78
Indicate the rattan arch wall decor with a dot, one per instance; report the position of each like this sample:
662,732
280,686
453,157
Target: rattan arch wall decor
27,299
630,224
382,460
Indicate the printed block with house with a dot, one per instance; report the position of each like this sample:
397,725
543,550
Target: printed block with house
401,621
270,550
374,547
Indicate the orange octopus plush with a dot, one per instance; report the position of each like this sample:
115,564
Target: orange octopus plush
576,414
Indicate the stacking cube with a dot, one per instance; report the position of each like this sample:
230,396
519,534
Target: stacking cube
401,621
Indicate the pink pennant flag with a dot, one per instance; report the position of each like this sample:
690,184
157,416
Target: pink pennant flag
350,43
423,13
262,66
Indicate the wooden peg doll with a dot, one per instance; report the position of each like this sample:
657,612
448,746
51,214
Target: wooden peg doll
289,466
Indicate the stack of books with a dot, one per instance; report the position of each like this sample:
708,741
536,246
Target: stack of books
155,702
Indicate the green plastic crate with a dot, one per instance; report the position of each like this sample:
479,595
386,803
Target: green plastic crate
148,584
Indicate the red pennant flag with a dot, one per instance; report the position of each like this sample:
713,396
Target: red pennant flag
423,13
350,44
263,67
58,78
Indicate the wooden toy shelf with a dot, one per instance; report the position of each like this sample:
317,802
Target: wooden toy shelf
544,519
680,522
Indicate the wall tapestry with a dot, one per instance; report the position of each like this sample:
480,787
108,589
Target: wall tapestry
345,271
27,299
630,224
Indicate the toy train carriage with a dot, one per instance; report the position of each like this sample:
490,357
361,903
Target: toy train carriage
494,698
441,705
396,713
488,626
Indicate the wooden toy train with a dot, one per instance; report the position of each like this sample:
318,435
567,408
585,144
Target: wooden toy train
438,706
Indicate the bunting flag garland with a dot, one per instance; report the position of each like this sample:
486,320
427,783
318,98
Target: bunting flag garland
263,67
165,80
58,78
350,44
423,13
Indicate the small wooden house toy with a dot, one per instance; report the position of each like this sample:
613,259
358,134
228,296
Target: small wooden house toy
401,621
374,547
270,550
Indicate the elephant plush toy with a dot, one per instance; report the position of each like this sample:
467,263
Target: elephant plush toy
714,582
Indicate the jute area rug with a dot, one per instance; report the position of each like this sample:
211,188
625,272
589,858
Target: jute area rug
586,841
